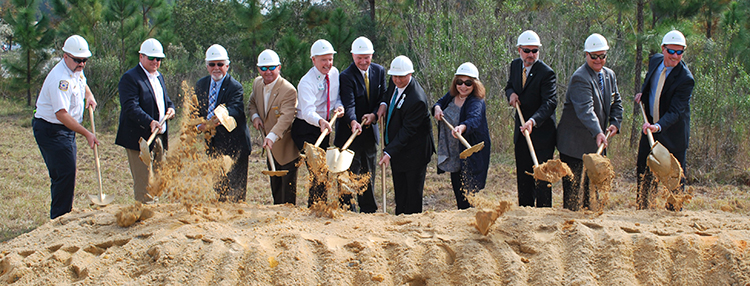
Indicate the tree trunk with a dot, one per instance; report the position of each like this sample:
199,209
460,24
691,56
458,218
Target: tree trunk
372,10
28,77
634,130
709,23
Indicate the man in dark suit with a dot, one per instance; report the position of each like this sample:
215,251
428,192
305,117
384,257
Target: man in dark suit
144,103
592,107
212,91
362,87
666,94
533,85
408,136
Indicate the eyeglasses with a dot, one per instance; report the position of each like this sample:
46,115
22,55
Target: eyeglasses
468,82
672,52
593,56
155,58
268,68
77,60
215,64
532,51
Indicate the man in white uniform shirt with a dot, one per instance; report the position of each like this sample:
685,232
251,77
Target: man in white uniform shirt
144,103
317,101
57,119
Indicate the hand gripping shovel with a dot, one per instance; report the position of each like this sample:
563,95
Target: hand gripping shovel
145,154
664,165
314,155
551,171
339,161
469,149
100,199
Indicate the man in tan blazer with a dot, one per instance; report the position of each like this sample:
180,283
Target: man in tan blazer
273,105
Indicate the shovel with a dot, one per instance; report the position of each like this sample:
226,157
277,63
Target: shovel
661,162
314,155
339,161
551,171
145,154
227,121
100,199
382,169
469,149
273,172
597,166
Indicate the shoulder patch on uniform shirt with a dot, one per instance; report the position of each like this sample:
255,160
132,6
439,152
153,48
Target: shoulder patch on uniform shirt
63,85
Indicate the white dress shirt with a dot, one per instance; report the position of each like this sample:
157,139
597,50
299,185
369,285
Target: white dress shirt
311,95
158,95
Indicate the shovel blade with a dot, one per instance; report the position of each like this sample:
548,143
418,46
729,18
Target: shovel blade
315,159
102,199
279,173
343,162
332,154
470,151
598,167
145,154
661,155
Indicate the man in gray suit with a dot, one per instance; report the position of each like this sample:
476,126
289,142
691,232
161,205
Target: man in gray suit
592,107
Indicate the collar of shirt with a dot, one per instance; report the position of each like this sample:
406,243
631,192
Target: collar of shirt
271,85
319,76
401,90
363,71
218,82
150,75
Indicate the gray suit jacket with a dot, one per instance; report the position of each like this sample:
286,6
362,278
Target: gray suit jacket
587,112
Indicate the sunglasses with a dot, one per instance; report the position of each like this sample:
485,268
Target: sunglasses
155,58
602,56
532,51
672,52
215,64
268,68
468,82
78,61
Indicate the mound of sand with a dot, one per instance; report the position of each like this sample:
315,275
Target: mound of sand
241,244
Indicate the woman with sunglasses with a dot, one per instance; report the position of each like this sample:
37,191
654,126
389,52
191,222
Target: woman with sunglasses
464,108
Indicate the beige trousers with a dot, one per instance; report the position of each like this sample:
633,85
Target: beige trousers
140,170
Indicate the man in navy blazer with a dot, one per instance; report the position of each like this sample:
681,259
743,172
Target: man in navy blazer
235,143
144,103
538,99
362,88
408,136
668,113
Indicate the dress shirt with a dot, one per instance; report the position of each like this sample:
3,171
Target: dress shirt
267,88
158,95
311,95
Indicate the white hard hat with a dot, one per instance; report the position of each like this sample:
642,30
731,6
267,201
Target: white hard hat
529,38
77,47
362,46
152,48
321,47
268,58
401,66
216,53
468,69
595,43
674,37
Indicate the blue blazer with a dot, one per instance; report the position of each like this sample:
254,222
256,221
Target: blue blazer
138,108
473,115
356,104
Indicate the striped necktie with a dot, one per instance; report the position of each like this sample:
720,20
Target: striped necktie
601,84
212,99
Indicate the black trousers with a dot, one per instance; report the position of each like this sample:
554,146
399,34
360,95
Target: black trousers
531,192
284,188
58,146
233,186
364,162
461,188
304,132
646,181
572,185
408,188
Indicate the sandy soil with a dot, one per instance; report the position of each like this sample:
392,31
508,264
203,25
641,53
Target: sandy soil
241,244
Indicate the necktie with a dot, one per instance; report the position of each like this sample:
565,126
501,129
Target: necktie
328,98
390,112
367,86
212,100
601,85
523,78
657,96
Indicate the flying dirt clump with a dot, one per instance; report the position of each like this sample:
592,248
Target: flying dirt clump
551,171
129,215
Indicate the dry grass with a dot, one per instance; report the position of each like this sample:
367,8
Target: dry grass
24,184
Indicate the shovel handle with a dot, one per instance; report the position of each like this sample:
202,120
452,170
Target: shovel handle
96,154
325,132
601,147
382,169
460,137
153,134
648,131
528,137
349,141
270,160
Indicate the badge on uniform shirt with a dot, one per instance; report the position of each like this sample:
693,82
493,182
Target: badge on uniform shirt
63,85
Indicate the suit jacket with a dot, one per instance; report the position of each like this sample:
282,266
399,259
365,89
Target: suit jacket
138,108
473,114
282,109
356,104
587,112
232,96
674,104
538,101
410,129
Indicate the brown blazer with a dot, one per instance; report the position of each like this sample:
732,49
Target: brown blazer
281,112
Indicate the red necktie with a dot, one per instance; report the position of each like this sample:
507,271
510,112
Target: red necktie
328,97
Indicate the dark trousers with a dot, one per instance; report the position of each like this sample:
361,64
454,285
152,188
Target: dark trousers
408,188
531,192
572,185
233,186
304,132
461,188
646,181
364,162
284,188
58,146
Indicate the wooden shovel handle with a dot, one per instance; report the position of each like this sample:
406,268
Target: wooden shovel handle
270,160
460,137
349,141
648,131
96,152
528,137
153,134
325,132
601,147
